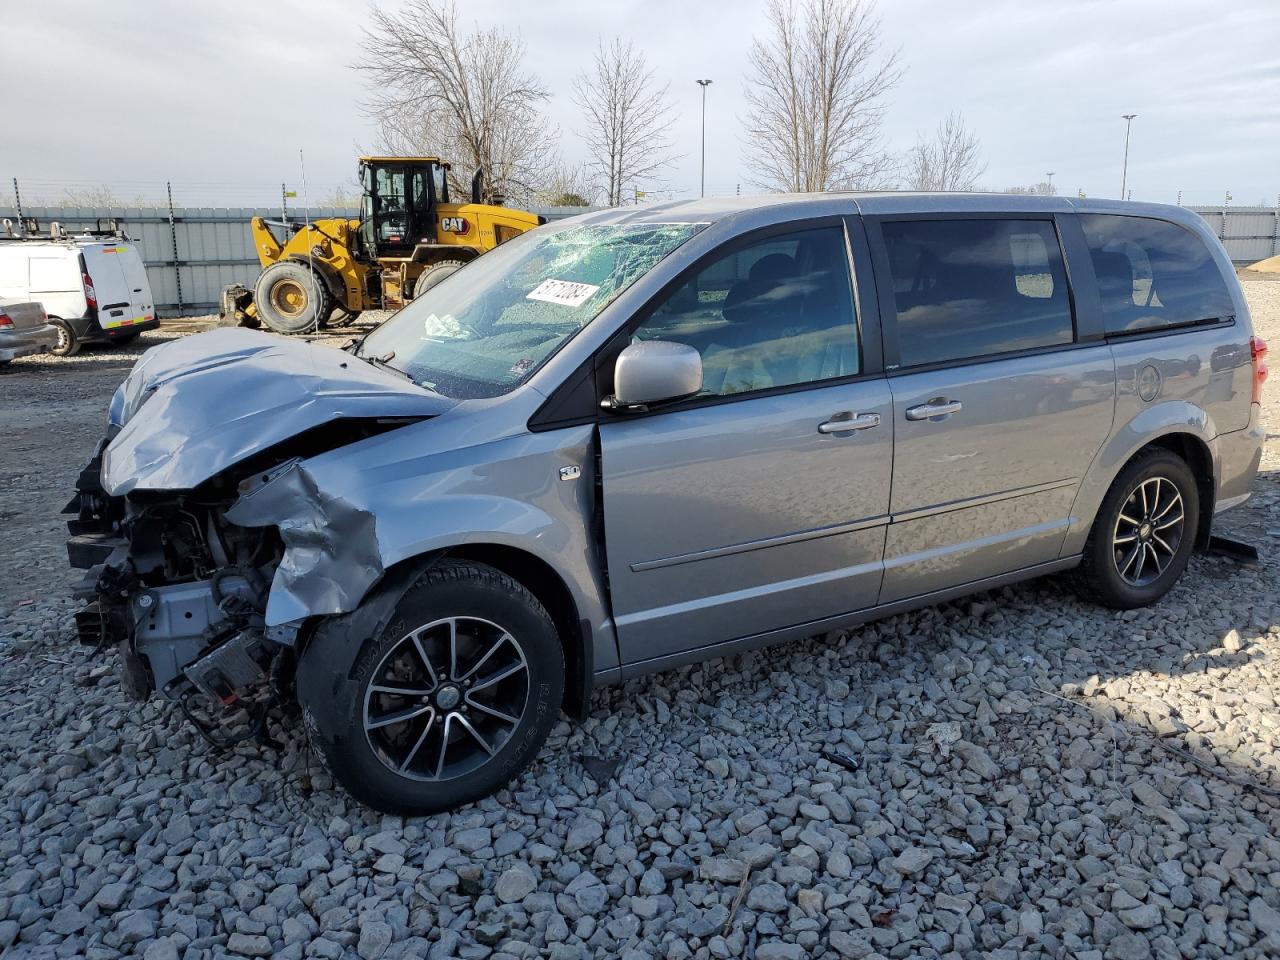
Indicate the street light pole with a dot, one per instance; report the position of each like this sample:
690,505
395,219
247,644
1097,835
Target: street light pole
702,189
1124,176
1050,176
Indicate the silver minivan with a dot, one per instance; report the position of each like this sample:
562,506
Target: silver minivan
648,436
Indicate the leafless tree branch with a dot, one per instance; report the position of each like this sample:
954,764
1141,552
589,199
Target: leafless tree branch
816,98
950,161
463,95
627,117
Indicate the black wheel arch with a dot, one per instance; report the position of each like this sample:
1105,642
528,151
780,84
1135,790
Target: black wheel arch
1197,456
328,652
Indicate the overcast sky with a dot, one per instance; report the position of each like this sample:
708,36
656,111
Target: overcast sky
219,98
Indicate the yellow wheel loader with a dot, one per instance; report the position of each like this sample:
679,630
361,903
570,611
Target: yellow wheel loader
408,237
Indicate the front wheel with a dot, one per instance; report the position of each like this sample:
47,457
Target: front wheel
1144,533
451,700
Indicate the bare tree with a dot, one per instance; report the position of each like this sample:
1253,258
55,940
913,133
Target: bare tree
567,185
628,117
463,95
1041,189
816,97
950,161
101,196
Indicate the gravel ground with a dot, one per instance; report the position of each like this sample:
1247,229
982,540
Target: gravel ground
1030,776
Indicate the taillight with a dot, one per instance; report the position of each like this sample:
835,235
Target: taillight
90,294
6,320
1258,353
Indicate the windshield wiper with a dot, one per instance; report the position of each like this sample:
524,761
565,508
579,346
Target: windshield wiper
384,363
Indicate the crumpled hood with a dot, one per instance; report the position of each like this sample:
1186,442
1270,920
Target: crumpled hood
195,406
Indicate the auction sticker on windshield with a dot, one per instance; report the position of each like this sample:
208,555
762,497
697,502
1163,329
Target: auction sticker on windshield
564,292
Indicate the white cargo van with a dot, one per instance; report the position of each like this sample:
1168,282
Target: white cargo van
94,288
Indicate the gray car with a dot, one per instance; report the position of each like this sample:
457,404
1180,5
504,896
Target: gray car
649,436
24,330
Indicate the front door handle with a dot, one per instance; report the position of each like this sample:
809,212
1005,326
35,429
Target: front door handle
846,422
935,409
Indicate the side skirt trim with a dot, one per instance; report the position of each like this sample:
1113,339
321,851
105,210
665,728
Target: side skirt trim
840,621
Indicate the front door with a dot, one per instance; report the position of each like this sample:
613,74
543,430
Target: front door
998,410
762,503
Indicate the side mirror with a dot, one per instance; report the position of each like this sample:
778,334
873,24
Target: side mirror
655,370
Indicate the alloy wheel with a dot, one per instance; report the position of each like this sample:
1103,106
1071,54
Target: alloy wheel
445,698
1148,531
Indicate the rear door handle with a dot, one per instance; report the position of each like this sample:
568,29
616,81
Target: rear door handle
847,422
935,409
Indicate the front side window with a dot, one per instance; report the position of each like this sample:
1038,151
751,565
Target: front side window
1152,274
775,313
483,331
390,205
966,289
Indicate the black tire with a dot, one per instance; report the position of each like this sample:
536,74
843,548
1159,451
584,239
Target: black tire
68,344
491,612
1115,540
340,315
127,338
291,298
437,272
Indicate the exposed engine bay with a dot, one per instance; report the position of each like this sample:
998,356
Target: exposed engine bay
179,593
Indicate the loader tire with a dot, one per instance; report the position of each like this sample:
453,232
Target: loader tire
341,316
290,298
429,278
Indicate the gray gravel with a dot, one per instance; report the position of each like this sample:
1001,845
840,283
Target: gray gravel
1035,777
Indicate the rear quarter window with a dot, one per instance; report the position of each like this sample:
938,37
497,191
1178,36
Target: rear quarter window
1153,274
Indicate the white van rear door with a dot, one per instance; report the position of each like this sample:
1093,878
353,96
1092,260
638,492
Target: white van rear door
104,262
135,278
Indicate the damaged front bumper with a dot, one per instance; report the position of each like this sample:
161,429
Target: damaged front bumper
179,603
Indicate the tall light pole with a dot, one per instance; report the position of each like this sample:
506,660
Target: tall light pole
1124,176
1050,176
702,189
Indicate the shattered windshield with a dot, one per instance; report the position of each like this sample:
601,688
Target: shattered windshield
482,331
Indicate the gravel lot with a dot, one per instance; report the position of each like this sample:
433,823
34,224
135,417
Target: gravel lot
1034,777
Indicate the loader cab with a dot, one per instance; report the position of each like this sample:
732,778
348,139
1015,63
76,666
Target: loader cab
398,202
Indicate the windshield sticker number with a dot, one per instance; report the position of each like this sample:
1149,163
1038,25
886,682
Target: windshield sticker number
567,293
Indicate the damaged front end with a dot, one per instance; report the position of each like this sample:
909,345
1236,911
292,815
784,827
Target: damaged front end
179,593
177,582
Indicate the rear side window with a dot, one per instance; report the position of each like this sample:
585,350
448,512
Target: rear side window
1153,274
965,289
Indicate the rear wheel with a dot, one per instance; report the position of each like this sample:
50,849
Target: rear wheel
127,338
1144,532
435,274
340,315
449,702
291,298
68,344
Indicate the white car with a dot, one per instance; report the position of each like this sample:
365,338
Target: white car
93,288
